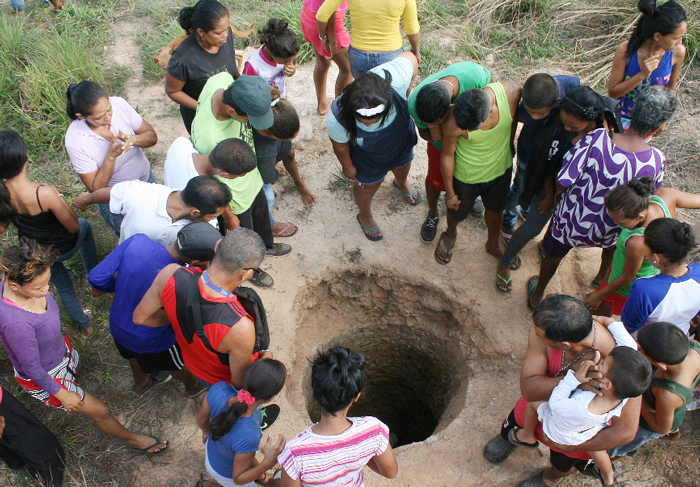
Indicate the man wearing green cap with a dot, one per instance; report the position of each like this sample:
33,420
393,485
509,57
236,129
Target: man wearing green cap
227,109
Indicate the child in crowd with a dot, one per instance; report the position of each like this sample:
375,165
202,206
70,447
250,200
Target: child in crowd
338,40
19,5
275,59
653,55
43,359
235,432
573,416
334,451
41,213
673,295
676,362
633,206
274,145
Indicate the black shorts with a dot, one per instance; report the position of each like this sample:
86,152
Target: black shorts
494,195
563,463
553,247
150,363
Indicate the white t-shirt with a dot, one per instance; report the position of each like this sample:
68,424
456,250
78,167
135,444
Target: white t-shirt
401,70
144,206
179,165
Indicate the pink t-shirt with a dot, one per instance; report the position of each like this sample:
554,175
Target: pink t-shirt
314,5
335,461
87,150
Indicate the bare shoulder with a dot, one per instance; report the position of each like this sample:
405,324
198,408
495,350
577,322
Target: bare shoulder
679,54
514,92
166,273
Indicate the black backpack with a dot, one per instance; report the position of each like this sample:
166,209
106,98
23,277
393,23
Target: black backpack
252,304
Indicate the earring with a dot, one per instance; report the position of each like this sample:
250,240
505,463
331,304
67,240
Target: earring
203,38
654,262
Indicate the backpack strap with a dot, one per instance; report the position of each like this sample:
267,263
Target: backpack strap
197,312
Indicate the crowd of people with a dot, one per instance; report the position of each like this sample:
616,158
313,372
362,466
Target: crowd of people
593,387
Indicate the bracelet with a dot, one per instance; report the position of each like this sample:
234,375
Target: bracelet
450,197
266,350
324,37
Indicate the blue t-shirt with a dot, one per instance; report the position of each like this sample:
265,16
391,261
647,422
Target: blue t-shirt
136,262
532,127
663,298
244,437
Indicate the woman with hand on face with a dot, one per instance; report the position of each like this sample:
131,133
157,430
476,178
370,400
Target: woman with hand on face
653,55
104,141
207,51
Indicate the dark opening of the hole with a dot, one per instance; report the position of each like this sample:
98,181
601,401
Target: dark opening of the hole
410,380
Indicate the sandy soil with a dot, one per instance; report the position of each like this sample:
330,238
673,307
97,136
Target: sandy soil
490,331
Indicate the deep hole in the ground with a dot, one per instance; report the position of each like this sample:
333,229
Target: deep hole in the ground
417,368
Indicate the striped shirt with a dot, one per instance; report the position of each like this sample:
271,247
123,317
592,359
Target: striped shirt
335,461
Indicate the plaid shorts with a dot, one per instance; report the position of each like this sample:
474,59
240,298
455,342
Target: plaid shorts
63,373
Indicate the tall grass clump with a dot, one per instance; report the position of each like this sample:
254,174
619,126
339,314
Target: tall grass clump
41,56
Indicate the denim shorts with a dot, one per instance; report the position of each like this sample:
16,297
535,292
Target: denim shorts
361,61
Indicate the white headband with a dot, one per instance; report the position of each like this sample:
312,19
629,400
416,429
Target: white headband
370,112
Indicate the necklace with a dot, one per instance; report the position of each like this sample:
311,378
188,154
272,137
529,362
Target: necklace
449,83
216,288
563,368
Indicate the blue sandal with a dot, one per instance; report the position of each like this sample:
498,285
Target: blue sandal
375,230
415,195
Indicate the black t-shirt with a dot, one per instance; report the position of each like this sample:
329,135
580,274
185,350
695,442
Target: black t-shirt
193,65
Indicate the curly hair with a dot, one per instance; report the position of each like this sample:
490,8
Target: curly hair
25,262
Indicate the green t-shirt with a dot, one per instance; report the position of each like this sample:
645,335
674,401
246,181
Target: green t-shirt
470,75
618,263
207,131
486,155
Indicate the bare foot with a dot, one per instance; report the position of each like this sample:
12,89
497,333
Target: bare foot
324,107
87,332
95,293
281,229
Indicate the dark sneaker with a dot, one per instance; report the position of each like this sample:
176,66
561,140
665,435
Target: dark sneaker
278,250
536,481
261,278
478,208
429,229
192,393
269,415
498,449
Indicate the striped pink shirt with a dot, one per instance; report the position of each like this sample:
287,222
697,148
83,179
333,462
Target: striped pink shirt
335,461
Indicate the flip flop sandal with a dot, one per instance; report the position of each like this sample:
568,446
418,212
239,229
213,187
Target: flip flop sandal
513,438
286,227
375,230
415,195
506,282
531,285
156,442
442,248
514,266
541,251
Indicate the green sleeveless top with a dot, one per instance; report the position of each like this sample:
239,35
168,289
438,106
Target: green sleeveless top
618,262
685,393
486,154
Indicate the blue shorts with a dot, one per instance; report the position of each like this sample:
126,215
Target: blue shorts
367,174
361,61
17,4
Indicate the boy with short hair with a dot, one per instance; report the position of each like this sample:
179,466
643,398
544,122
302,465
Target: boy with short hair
676,362
542,93
573,416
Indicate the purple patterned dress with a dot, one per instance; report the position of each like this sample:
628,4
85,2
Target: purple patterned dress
591,168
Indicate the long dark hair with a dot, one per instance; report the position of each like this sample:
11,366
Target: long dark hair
82,98
13,157
630,199
584,104
203,15
663,19
280,39
367,91
670,238
264,380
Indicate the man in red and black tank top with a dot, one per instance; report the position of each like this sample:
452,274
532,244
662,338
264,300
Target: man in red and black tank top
228,328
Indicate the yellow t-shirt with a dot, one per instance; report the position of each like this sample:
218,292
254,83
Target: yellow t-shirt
375,23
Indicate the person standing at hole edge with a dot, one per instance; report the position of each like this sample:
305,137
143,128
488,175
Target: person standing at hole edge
430,104
563,335
334,451
653,55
